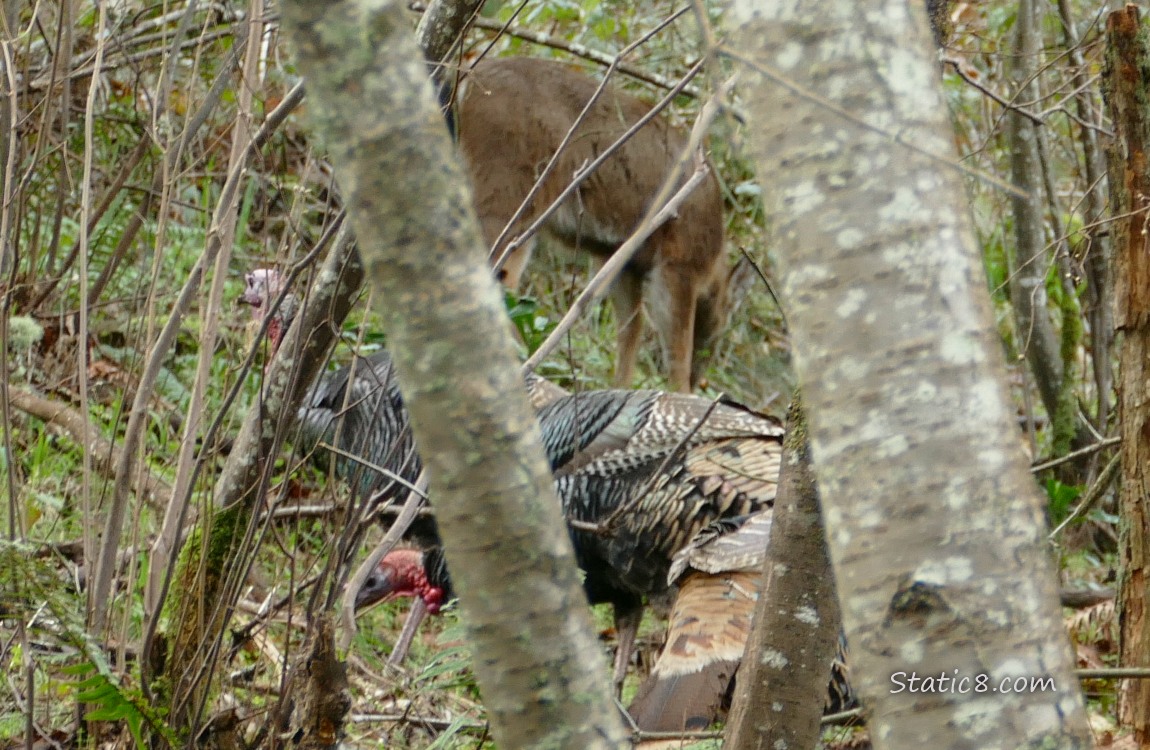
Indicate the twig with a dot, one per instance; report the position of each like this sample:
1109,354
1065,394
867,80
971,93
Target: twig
987,92
419,721
299,511
766,282
1101,444
842,717
1083,598
1100,484
1113,673
105,453
638,737
387,473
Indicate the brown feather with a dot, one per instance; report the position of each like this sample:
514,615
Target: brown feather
706,636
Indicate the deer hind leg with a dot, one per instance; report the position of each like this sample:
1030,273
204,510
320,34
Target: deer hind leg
627,295
671,302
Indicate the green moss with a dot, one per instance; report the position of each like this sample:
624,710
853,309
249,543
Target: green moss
199,576
1065,418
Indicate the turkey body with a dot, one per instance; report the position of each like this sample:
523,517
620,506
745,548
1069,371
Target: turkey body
658,468
646,479
359,411
654,470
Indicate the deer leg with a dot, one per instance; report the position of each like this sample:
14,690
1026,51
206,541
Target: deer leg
627,295
511,272
671,302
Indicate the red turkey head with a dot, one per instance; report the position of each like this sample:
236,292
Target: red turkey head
400,573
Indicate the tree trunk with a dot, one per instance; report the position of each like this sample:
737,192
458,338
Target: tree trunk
1097,240
1027,259
782,681
536,656
1127,79
934,523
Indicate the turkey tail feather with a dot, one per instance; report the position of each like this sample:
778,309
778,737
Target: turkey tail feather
708,631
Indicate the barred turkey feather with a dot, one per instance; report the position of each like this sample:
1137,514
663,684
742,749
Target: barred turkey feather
358,409
716,549
707,633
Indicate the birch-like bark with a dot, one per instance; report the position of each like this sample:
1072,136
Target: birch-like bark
505,538
442,24
934,523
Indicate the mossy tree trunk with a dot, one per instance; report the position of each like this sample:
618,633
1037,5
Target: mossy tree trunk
783,678
210,572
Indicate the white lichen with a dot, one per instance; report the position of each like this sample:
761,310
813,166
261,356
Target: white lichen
774,659
806,614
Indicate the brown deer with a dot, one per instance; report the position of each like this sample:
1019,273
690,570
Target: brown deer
511,116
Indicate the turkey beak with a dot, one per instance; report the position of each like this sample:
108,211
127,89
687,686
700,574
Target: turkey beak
376,588
251,295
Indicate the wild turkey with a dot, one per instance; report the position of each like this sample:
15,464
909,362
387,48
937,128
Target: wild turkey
358,408
641,475
359,411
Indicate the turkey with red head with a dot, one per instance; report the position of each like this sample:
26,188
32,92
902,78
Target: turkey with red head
645,477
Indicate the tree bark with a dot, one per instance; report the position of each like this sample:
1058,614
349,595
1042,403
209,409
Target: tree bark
1127,78
782,681
1098,241
442,25
505,538
1027,259
934,523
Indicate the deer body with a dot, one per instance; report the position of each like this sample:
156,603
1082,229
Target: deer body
512,115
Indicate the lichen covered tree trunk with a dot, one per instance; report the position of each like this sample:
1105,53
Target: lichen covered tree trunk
536,655
934,523
1028,259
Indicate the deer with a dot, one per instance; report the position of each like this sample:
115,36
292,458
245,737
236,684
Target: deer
511,115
